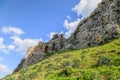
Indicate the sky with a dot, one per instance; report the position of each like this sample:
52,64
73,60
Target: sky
23,23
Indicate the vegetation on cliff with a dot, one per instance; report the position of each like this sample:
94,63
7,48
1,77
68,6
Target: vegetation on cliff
97,63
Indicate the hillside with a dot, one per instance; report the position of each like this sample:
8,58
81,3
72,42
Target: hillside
97,63
92,52
102,26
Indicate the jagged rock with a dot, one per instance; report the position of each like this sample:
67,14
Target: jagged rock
38,52
55,36
33,56
102,26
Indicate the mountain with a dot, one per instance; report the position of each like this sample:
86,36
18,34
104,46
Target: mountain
98,63
101,27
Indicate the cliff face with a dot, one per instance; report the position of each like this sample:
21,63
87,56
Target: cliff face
102,26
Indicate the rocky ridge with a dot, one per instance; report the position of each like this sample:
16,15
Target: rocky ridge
102,26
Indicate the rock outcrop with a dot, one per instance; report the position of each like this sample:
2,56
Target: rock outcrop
37,53
102,26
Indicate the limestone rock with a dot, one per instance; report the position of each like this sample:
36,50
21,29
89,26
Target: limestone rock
102,26
37,53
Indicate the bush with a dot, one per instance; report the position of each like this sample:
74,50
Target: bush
117,62
103,61
66,63
50,66
76,64
118,53
83,54
67,71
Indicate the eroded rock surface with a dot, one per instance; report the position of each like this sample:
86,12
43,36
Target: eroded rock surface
102,26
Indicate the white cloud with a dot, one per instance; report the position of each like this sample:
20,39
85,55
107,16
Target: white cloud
10,47
4,69
2,46
52,33
22,45
70,26
5,48
85,7
12,30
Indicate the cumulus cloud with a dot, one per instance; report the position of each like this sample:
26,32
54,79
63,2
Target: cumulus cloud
70,26
5,48
4,69
10,47
19,44
12,30
22,45
85,7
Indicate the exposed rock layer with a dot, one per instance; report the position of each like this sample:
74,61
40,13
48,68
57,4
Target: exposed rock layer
102,26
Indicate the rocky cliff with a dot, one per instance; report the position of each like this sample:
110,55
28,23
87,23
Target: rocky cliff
38,52
102,26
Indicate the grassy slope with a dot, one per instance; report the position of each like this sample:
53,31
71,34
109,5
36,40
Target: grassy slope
98,63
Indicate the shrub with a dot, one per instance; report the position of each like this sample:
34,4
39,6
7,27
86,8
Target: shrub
83,54
51,66
67,71
66,63
117,62
32,75
76,64
118,53
112,51
103,61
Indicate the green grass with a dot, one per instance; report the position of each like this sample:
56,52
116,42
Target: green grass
98,63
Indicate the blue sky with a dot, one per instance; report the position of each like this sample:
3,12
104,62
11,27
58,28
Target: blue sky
25,22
